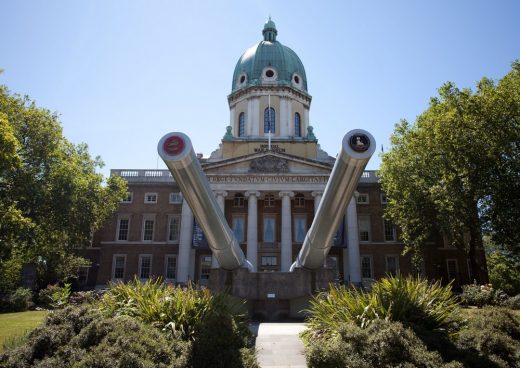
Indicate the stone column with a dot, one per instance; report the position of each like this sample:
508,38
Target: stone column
354,260
252,228
186,238
221,199
317,199
286,231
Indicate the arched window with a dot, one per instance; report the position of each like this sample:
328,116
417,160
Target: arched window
297,126
241,125
269,120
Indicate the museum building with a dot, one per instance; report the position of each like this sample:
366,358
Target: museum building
268,175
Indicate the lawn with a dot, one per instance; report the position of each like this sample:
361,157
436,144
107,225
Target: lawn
15,324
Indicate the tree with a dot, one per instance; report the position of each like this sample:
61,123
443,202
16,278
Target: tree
456,170
51,198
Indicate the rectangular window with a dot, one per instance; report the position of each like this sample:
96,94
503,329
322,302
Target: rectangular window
173,228
123,228
366,267
384,198
269,200
299,200
362,198
269,229
238,228
175,198
238,201
205,267
148,225
300,228
129,197
150,198
118,267
145,266
170,268
389,231
392,265
364,228
453,269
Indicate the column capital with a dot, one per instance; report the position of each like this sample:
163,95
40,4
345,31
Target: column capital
250,193
222,193
317,193
286,193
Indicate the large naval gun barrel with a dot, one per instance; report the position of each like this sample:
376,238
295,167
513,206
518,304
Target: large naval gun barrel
356,149
177,152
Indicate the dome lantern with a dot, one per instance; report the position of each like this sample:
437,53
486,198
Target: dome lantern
270,31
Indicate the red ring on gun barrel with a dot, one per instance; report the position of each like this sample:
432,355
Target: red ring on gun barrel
173,145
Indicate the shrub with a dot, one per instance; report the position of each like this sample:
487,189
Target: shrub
477,295
54,296
513,302
381,344
17,301
84,297
491,339
214,323
413,301
85,337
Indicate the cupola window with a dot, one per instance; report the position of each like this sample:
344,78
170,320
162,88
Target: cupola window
269,120
297,125
241,125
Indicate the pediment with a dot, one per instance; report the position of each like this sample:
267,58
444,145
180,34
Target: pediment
267,163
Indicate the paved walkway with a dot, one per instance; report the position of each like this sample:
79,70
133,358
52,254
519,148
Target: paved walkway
279,346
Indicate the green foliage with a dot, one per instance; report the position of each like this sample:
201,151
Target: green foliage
214,324
504,269
18,300
413,301
491,339
85,337
381,344
477,295
54,296
456,169
51,198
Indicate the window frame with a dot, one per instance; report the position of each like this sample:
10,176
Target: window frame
238,200
169,229
456,278
370,264
265,217
384,198
296,217
393,228
205,266
129,198
396,257
270,117
299,200
241,125
369,230
241,217
150,194
146,218
118,228
269,200
113,274
166,278
363,195
173,195
297,124
140,267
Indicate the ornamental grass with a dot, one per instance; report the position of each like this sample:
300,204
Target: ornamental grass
415,302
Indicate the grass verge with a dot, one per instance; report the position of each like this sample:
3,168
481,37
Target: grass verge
15,325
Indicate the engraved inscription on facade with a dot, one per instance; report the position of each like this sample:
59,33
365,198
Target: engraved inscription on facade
232,179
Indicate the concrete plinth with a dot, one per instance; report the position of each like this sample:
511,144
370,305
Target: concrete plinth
272,295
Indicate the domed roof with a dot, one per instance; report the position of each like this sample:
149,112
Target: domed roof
269,63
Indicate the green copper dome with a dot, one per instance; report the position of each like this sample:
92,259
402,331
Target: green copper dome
269,63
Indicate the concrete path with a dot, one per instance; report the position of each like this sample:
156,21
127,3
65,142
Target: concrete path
279,346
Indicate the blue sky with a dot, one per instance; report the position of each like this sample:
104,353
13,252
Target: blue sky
123,73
